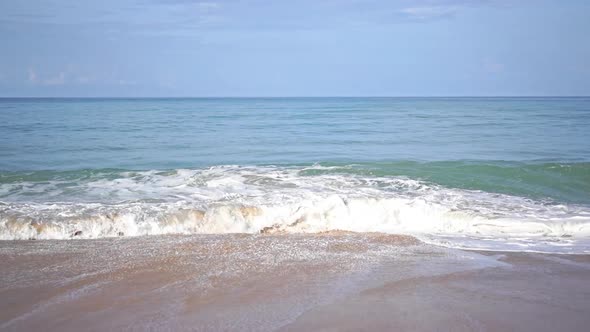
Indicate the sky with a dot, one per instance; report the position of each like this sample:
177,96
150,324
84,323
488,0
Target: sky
157,48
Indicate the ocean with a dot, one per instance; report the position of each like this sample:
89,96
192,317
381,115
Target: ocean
503,174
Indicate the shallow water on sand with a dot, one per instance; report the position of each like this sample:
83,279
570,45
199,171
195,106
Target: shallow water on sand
336,280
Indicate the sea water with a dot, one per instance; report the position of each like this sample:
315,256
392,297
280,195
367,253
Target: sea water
486,173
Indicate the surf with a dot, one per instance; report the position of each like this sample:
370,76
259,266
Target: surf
283,200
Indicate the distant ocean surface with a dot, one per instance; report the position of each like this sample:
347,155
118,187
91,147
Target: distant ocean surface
487,173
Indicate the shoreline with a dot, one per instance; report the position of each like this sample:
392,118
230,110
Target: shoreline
334,281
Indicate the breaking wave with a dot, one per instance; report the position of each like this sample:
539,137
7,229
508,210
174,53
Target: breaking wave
279,200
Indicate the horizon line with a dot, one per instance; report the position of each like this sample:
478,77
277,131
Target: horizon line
279,97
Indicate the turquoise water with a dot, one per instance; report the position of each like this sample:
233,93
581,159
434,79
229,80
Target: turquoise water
69,163
70,134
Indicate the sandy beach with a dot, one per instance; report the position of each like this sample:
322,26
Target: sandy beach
331,281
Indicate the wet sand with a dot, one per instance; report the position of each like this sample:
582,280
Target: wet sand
330,282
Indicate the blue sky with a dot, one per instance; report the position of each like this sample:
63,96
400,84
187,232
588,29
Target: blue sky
294,48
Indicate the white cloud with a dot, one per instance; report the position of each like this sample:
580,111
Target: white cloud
84,79
208,5
126,83
429,12
36,79
60,79
32,76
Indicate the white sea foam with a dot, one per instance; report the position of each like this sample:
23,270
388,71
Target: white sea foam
232,199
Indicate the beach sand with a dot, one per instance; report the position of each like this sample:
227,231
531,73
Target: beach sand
329,282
